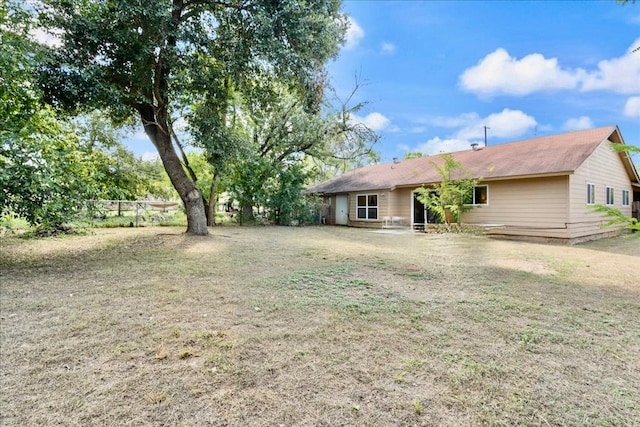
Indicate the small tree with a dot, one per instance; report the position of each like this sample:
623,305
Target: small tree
449,198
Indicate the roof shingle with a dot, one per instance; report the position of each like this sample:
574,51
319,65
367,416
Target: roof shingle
548,155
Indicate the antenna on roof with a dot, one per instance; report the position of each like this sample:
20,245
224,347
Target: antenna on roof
485,134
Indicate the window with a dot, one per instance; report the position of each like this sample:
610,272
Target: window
591,194
609,195
625,197
367,206
479,196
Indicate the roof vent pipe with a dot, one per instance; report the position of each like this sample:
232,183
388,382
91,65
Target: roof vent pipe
395,160
474,146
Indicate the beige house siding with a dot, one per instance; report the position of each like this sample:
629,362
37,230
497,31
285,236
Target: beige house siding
392,204
532,206
400,204
383,208
551,205
603,168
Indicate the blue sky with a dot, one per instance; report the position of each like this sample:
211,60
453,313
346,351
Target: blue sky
434,73
437,72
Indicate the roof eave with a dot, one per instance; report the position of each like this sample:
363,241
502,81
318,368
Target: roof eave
630,166
625,156
527,176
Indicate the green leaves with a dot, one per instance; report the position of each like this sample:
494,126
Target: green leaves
44,175
120,53
448,198
41,171
116,172
617,218
18,97
154,58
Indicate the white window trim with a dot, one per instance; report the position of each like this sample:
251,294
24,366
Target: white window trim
625,199
609,191
593,201
366,195
473,196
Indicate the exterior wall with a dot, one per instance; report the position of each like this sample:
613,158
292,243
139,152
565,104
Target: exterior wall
536,207
401,206
530,207
395,205
603,168
545,208
383,208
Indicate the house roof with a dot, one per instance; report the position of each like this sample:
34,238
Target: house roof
544,156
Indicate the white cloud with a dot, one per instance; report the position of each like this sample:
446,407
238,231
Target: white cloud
437,145
148,156
499,73
620,75
505,124
46,38
138,135
468,128
374,121
180,125
388,48
578,123
632,107
355,33
509,123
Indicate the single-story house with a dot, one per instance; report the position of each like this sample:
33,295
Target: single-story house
537,188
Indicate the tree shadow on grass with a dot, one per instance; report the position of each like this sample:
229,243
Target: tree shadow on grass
628,244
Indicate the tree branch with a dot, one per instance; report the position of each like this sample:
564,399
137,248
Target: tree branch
266,145
185,160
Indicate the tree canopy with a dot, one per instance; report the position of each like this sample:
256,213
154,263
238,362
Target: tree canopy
151,59
42,170
449,198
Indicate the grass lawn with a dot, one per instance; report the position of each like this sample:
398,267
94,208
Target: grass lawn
318,326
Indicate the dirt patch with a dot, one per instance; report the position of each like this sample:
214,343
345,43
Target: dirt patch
316,326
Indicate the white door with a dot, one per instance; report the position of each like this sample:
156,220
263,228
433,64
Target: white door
342,210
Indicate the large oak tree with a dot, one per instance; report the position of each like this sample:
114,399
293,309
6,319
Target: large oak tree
125,57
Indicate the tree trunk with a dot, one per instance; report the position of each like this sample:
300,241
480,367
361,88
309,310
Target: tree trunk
211,209
155,125
448,216
246,214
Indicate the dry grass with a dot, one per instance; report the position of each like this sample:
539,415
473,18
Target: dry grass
317,326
